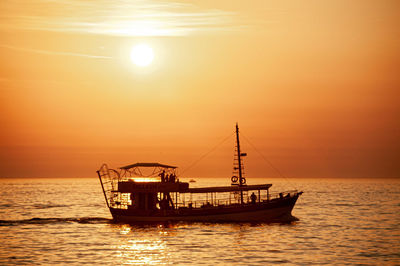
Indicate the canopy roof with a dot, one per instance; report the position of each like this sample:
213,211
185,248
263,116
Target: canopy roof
147,165
181,187
228,188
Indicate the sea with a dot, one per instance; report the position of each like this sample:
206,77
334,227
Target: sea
66,221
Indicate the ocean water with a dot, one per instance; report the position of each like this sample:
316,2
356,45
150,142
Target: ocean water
66,221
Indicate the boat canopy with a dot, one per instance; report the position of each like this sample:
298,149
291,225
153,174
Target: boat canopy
147,165
182,187
228,188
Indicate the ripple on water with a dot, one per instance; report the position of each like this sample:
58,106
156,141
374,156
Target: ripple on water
341,222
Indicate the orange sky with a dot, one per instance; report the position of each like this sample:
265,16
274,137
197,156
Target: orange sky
314,86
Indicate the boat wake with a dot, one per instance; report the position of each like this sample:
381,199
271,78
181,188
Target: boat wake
48,206
82,220
101,220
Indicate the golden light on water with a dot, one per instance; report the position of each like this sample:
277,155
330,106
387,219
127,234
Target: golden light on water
142,251
125,229
135,247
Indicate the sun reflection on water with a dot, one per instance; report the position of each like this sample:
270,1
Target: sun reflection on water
125,229
142,245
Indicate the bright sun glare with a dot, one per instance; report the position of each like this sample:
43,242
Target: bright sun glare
142,55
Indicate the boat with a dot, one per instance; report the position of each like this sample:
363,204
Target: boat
152,192
192,181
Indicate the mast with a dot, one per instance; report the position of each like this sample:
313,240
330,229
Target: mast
239,162
238,154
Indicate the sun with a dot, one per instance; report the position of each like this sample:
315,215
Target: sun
142,55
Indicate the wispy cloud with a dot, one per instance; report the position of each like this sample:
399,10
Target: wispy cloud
119,17
47,52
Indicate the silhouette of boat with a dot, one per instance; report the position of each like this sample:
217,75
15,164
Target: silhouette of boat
151,192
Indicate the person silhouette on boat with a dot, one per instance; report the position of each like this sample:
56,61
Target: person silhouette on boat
162,175
164,204
253,198
172,178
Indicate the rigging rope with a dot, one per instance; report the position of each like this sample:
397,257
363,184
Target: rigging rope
268,161
206,154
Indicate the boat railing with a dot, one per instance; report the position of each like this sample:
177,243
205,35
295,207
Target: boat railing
278,195
207,203
263,197
108,179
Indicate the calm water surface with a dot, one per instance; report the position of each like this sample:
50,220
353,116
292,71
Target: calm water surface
60,221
